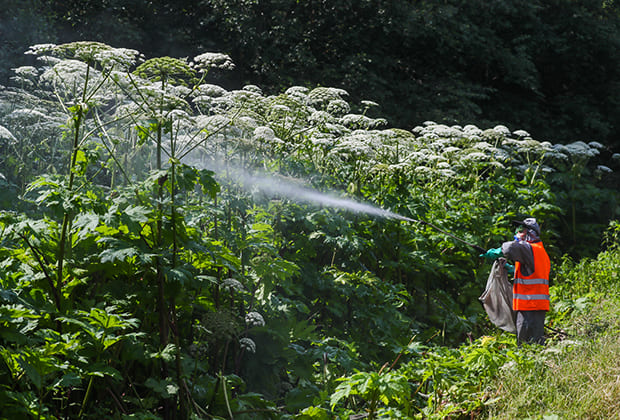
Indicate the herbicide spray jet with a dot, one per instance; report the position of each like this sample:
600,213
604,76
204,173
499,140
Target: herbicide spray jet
295,190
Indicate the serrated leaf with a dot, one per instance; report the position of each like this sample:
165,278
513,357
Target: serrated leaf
117,250
165,387
101,370
342,391
138,214
70,379
167,354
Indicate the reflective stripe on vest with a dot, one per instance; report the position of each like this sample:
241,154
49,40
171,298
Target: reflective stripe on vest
531,297
532,281
531,293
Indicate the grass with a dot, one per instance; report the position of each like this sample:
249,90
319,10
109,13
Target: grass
579,382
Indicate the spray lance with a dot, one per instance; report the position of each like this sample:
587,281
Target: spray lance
474,246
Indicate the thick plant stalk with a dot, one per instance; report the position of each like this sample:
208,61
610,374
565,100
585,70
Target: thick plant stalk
86,396
173,312
161,294
161,299
68,217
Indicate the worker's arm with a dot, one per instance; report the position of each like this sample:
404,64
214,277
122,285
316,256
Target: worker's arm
495,253
492,254
522,252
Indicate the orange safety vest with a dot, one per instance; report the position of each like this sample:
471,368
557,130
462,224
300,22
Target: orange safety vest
531,293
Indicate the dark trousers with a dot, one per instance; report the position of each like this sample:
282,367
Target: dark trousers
531,327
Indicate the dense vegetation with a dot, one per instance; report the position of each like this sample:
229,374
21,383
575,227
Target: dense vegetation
548,66
168,249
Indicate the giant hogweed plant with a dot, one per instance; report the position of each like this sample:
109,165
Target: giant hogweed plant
211,269
72,79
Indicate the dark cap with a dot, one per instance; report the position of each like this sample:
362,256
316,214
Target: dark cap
529,223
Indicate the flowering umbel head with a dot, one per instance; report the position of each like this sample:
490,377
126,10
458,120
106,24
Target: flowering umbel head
92,53
210,60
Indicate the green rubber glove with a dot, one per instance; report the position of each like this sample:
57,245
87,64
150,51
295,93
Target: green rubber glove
510,269
492,254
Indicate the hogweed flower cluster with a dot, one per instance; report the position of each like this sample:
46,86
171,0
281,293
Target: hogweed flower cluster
211,60
319,125
231,284
254,319
247,344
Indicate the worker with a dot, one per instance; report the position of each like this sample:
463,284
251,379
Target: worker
530,290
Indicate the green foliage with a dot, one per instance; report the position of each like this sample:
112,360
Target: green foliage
185,254
432,382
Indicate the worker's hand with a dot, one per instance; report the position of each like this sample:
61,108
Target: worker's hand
492,254
510,269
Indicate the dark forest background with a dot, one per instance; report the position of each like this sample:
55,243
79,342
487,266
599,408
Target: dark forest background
549,67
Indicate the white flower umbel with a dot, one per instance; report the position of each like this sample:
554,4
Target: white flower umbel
321,117
580,149
279,111
470,128
211,90
247,344
27,115
483,145
48,60
29,72
369,104
521,133
212,60
445,131
254,319
423,170
117,58
295,90
338,107
222,104
232,285
321,96
356,145
502,129
418,130
39,49
6,135
355,121
67,75
264,134
245,95
298,93
451,150
475,157
253,88
212,123
246,123
447,173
